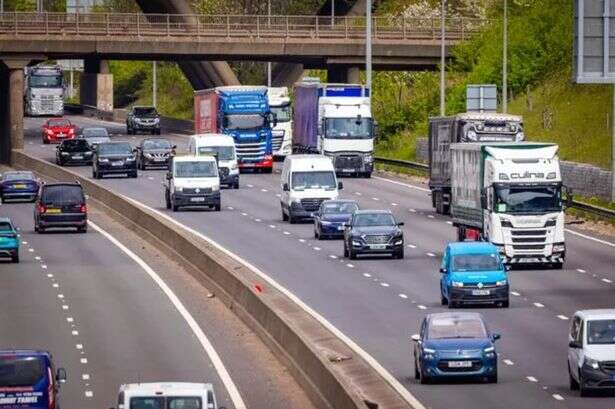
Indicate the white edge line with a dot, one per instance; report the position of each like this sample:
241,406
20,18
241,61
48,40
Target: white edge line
422,189
194,326
576,233
395,384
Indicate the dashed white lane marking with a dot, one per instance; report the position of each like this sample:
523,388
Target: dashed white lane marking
508,362
606,280
421,307
349,265
75,333
557,396
412,246
230,208
264,190
358,193
422,189
89,394
393,204
531,379
384,284
60,296
79,346
83,360
49,275
181,309
24,243
302,240
562,317
317,248
150,178
412,210
272,226
70,319
257,220
449,222
333,256
398,386
244,214
538,305
516,294
65,307
404,296
431,216
31,250
580,270
431,254
249,185
55,285
286,233
85,377
37,258
375,199
44,266
368,275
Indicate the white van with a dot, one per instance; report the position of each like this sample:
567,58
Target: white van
167,395
307,181
223,147
192,181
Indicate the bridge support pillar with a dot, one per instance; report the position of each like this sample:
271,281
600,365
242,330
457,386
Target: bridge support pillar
96,84
343,74
11,107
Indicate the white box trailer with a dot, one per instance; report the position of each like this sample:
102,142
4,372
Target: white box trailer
510,194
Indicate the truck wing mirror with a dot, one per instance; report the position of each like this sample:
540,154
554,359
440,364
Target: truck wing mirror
273,118
285,187
61,375
443,270
568,197
169,176
340,185
483,198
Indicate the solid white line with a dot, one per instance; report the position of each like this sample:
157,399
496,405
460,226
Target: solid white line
557,396
606,280
562,317
405,393
516,294
181,309
575,233
422,189
531,379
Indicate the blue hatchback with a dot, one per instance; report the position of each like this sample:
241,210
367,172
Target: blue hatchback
473,273
18,185
331,216
29,380
9,240
455,345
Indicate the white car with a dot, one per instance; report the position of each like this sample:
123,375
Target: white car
167,395
591,350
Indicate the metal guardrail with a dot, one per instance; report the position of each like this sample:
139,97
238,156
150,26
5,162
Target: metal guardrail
585,207
231,26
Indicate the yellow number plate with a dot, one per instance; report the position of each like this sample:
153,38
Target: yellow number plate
54,211
20,186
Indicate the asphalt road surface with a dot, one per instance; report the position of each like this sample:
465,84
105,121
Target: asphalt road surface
379,302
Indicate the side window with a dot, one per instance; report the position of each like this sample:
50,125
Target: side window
120,399
579,337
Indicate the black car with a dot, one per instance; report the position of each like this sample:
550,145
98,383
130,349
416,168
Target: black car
373,232
113,158
145,119
331,217
154,152
74,152
94,136
61,205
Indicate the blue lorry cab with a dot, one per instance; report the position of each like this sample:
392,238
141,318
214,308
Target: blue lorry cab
28,380
473,273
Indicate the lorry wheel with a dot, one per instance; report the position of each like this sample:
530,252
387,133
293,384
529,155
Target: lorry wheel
345,250
217,207
236,185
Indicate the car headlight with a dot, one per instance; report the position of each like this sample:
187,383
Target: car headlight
398,242
501,283
592,363
147,155
156,120
88,153
215,188
489,352
356,243
64,153
429,353
130,159
559,248
457,284
103,160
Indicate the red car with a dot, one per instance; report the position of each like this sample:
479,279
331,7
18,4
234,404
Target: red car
57,130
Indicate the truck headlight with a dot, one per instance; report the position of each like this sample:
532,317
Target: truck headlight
156,120
368,158
147,155
559,248
179,189
457,284
234,166
471,135
519,137
501,283
103,160
356,243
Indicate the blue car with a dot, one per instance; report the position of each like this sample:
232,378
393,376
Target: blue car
29,380
473,273
18,185
330,218
455,345
9,240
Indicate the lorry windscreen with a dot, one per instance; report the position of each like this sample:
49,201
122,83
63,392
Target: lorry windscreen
45,81
195,170
313,180
21,371
528,199
282,113
348,128
244,121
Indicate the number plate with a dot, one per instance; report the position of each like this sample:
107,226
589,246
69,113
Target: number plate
159,159
348,170
77,157
119,163
340,228
377,246
480,292
459,364
20,186
197,199
54,211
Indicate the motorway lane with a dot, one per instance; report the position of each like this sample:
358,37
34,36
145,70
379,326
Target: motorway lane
379,302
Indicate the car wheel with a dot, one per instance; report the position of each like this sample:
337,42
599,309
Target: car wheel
574,385
345,250
157,131
417,374
493,378
236,185
425,380
505,304
443,300
352,254
399,254
452,304
284,216
83,229
217,207
45,141
15,257
167,201
174,207
316,235
583,391
291,218
133,174
40,230
557,266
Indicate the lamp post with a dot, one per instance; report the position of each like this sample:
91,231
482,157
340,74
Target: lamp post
505,60
154,84
442,60
332,13
269,24
368,46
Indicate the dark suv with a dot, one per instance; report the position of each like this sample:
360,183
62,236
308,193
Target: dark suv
61,205
144,119
74,152
114,158
373,232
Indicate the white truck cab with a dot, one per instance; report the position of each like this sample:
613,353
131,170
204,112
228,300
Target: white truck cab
223,148
167,395
307,181
192,181
282,133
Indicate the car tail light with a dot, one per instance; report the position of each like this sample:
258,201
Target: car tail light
83,208
71,131
41,209
51,399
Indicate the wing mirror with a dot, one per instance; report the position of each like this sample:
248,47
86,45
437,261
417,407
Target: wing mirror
61,375
400,224
443,270
415,337
483,198
340,185
568,197
169,176
285,187
495,336
575,344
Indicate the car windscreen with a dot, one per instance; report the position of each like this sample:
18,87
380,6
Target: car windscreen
94,132
63,123
18,176
313,180
147,402
21,371
5,226
153,144
373,219
75,145
456,327
222,152
114,149
339,208
145,112
601,332
62,194
45,81
196,169
475,262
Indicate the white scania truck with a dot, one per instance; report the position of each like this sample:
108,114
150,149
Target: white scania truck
282,132
44,91
510,194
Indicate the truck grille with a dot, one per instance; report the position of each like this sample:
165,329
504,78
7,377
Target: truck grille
377,239
348,162
608,366
529,242
311,205
529,239
528,247
193,191
443,366
529,232
251,152
277,140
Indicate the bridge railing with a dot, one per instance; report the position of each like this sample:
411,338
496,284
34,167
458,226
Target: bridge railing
231,26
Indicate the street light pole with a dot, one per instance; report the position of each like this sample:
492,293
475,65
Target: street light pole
332,13
505,61
442,60
269,24
368,46
154,85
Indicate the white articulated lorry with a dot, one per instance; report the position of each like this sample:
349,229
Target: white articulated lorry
510,194
44,91
282,132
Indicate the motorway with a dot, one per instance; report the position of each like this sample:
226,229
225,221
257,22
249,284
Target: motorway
379,303
107,321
